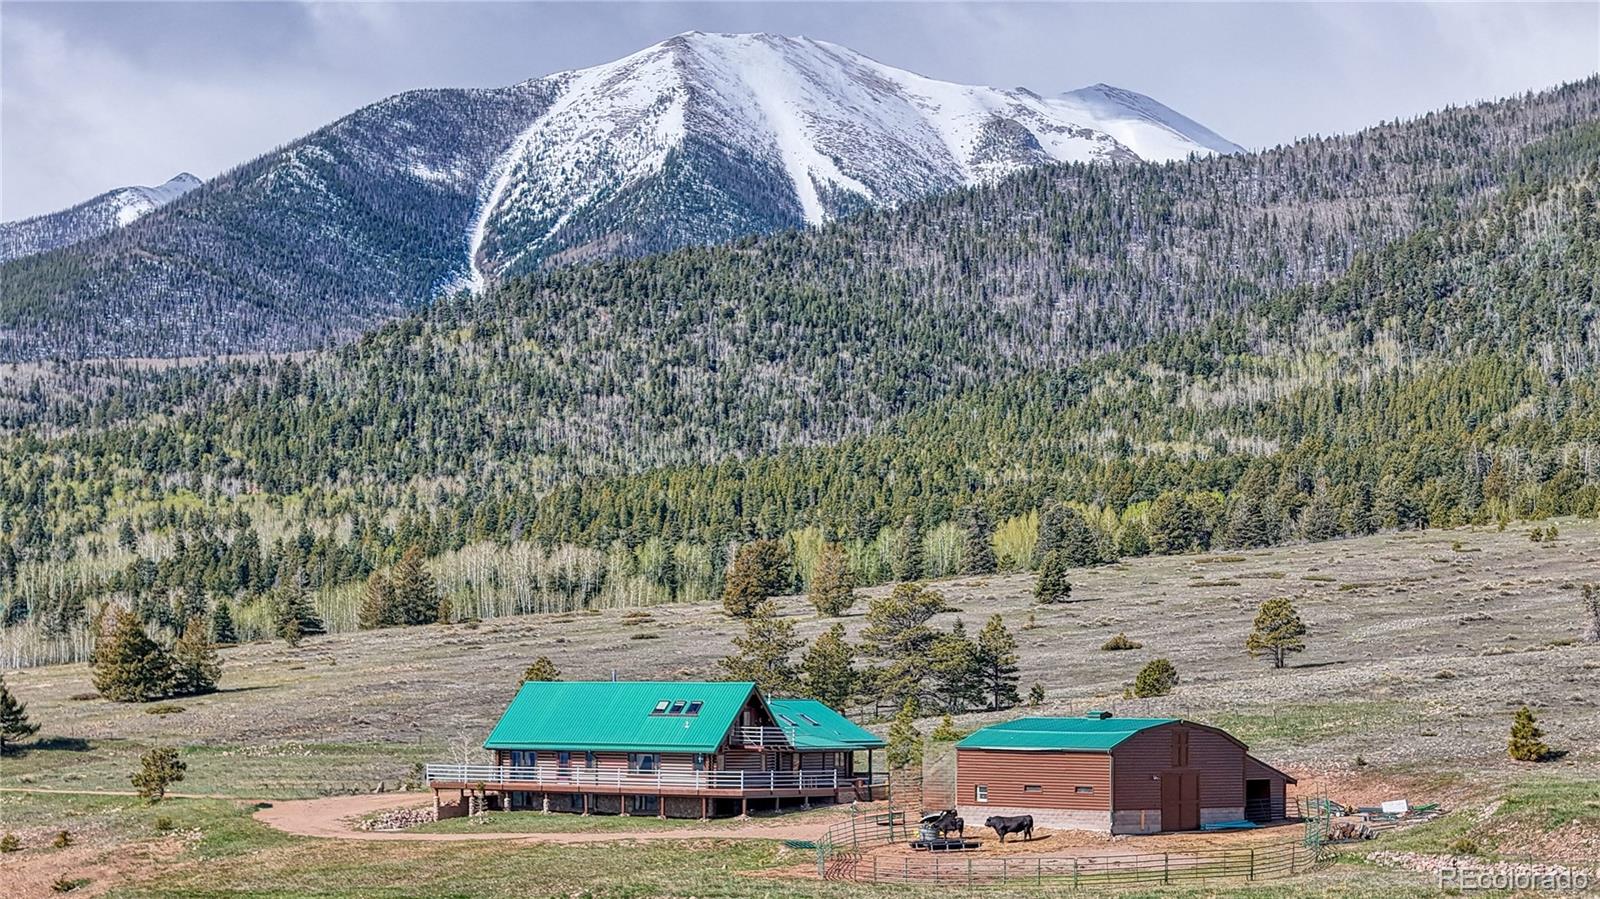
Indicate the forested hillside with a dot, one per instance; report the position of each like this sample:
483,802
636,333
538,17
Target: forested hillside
1387,330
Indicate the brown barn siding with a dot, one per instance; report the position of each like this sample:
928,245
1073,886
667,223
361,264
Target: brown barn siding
1143,756
1058,773
1255,770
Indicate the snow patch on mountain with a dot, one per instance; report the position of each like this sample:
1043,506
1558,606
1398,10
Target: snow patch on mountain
842,128
111,210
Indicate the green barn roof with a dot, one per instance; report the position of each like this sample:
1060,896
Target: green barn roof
619,715
1086,734
812,725
653,716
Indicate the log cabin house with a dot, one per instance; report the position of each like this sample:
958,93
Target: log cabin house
665,748
1115,775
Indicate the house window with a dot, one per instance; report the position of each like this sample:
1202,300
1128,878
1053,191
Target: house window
694,707
642,761
588,759
699,761
564,761
1083,789
980,793
524,759
661,707
1032,788
677,707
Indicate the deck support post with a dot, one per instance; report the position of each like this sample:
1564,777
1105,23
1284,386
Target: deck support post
744,807
544,805
705,808
435,803
585,805
661,807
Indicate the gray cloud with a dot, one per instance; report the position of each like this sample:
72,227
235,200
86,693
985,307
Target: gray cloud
98,95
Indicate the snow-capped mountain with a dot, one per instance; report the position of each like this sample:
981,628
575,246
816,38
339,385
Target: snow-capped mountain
816,129
91,218
700,139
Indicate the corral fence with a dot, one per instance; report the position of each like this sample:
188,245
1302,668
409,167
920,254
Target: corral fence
846,852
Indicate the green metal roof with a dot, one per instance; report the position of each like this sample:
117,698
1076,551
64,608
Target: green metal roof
812,725
616,715
1086,734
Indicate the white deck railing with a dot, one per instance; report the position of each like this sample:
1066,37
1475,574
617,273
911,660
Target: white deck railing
645,781
762,736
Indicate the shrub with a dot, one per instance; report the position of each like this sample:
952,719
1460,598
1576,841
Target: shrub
63,839
65,884
158,768
10,843
164,824
1526,743
1120,642
165,708
1464,846
1156,678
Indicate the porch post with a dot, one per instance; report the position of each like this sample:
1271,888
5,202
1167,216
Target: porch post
661,806
585,804
744,806
704,808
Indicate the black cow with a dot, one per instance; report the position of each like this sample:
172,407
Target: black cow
948,822
1022,824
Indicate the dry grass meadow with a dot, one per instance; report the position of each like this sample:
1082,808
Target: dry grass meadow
1421,646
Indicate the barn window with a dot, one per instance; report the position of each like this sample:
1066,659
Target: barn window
980,793
1032,788
1083,789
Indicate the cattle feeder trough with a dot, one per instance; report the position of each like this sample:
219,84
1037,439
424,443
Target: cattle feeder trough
933,834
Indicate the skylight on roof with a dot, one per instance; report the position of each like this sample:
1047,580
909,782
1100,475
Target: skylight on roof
661,707
677,707
810,720
694,707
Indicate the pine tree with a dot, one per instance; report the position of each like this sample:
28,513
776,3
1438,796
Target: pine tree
760,570
295,616
189,605
1278,631
762,654
542,669
1036,695
832,585
1176,526
977,550
1156,678
898,635
1053,584
1080,545
377,604
127,666
828,670
1320,520
946,732
416,599
1052,523
222,628
954,670
158,769
126,538
196,667
908,564
1527,740
14,723
905,741
997,659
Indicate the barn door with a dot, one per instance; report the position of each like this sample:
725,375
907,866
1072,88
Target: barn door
1180,800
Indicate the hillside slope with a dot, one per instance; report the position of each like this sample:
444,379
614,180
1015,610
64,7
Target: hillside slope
91,218
697,140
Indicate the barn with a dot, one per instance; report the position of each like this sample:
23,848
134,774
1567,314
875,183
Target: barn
1116,775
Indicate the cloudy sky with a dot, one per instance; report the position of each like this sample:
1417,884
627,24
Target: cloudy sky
99,95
